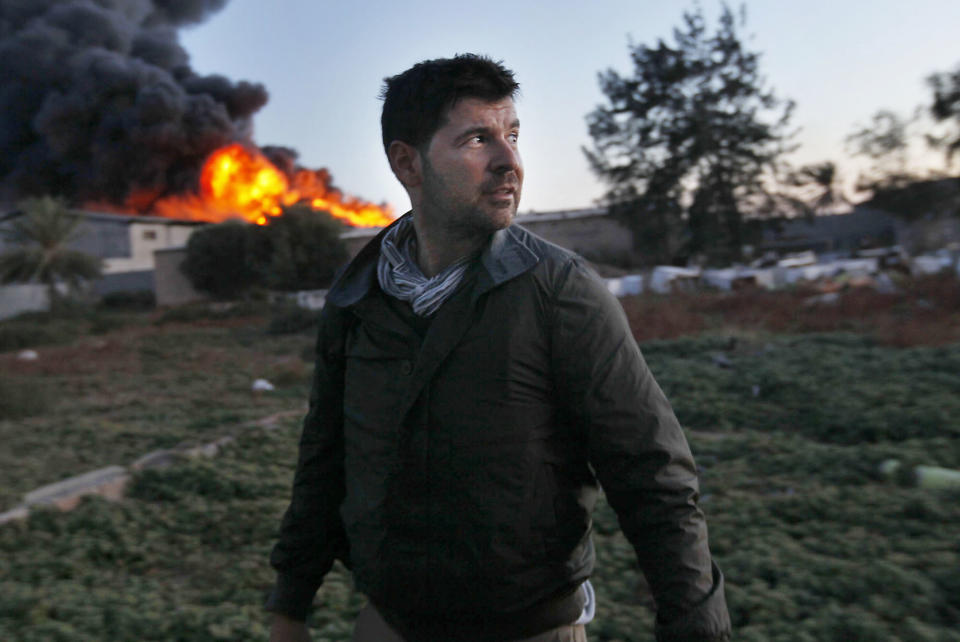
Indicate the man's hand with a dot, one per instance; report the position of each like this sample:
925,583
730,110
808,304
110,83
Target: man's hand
285,629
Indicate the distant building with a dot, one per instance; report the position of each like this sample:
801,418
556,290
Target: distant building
831,233
591,232
126,243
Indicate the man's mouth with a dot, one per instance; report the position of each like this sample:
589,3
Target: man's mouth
503,190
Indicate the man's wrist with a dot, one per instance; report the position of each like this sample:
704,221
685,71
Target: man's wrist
291,597
287,629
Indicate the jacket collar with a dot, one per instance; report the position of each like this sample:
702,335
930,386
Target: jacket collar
505,257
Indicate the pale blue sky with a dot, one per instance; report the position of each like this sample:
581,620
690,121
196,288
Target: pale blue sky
323,63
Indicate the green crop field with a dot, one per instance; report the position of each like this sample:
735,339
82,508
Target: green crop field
789,428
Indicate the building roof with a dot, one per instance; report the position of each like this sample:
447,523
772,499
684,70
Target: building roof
136,218
115,218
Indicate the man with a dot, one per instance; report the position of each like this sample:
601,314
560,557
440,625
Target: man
473,385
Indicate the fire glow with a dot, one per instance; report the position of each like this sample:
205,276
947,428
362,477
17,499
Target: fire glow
237,181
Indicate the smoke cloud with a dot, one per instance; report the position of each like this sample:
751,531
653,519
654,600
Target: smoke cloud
98,101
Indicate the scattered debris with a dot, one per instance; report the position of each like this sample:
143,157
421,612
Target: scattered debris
721,360
827,298
111,482
306,299
107,482
625,285
927,264
155,459
208,450
799,259
27,355
885,285
928,477
261,385
667,278
871,268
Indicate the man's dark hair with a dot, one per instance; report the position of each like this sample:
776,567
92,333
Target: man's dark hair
416,101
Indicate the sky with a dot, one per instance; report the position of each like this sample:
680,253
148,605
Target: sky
323,63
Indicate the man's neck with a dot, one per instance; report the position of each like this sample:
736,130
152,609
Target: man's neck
437,249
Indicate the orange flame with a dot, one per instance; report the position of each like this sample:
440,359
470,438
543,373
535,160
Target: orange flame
239,182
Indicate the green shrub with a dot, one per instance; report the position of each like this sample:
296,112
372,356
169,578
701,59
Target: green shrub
201,479
19,334
836,388
289,372
305,250
206,311
222,259
19,399
134,300
290,319
298,250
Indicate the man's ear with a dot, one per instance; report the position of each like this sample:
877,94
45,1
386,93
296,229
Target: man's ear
405,163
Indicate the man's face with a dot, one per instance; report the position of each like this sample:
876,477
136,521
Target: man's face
472,173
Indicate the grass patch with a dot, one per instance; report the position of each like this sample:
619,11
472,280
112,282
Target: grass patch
788,431
926,311
127,392
813,546
20,399
839,388
21,333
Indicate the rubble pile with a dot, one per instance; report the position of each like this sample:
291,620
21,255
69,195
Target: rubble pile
878,268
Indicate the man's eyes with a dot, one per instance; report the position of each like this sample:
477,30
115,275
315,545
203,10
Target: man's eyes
480,139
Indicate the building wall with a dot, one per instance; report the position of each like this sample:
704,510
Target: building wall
355,239
178,235
143,240
108,239
172,287
834,232
128,281
922,236
598,238
22,297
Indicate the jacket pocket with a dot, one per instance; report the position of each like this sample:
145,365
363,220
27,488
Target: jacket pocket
377,365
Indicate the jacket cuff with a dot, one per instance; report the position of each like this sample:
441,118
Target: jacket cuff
291,596
708,621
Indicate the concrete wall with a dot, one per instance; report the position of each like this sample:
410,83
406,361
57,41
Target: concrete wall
22,297
927,235
355,239
172,285
597,237
124,282
833,232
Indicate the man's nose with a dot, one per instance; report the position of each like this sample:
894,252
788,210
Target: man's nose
506,158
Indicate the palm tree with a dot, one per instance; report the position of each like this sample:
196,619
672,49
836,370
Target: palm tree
42,234
812,190
823,179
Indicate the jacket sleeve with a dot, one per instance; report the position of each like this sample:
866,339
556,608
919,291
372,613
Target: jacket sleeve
311,532
640,456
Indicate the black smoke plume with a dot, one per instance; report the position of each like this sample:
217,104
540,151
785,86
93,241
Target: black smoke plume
98,101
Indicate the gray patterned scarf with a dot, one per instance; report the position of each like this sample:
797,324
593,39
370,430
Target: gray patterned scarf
401,277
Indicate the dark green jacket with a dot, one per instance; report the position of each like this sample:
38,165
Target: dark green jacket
453,465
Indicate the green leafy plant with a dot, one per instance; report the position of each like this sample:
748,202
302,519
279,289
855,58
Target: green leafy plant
42,253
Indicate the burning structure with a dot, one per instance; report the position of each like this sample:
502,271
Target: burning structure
99,104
